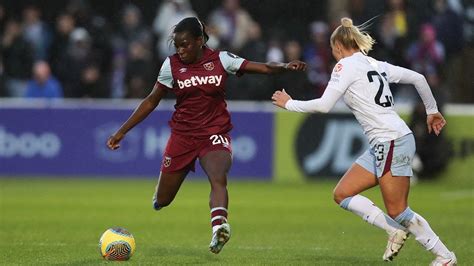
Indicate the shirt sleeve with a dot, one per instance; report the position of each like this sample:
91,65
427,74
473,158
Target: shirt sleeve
398,74
165,77
341,77
231,63
321,105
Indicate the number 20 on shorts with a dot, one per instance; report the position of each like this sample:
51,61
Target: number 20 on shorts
219,139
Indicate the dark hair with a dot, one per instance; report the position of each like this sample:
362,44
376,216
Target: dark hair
194,26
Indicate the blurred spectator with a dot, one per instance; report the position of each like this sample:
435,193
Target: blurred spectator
317,56
448,25
426,54
3,90
168,15
131,30
79,55
358,11
81,11
3,18
469,21
96,25
17,59
36,32
395,30
255,48
274,50
43,84
255,87
92,83
65,25
295,83
117,80
140,71
231,23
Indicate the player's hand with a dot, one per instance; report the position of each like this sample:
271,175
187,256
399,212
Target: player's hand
113,142
280,98
296,65
435,122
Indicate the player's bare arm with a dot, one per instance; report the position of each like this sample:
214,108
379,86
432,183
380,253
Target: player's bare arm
143,110
274,67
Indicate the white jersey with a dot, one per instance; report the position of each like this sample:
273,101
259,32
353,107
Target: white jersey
364,83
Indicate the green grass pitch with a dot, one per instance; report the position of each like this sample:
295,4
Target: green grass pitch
59,222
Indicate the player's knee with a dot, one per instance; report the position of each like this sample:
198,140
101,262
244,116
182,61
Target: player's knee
338,195
394,211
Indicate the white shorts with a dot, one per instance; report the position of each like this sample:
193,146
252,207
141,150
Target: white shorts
395,156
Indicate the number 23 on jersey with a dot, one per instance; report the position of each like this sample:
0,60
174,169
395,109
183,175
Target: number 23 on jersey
384,96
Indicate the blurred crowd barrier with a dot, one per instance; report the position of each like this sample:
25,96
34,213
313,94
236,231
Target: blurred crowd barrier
67,139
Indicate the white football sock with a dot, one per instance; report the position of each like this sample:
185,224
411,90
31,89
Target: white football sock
419,227
372,214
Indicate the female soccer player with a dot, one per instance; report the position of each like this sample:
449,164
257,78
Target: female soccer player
201,124
363,81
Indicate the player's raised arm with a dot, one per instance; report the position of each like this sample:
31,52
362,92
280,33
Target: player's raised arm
146,106
273,67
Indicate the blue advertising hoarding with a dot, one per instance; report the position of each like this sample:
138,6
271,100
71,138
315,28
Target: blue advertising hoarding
71,142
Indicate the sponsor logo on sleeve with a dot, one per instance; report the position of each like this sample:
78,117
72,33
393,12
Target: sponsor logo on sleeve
338,67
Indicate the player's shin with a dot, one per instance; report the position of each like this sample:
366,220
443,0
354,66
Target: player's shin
372,214
423,233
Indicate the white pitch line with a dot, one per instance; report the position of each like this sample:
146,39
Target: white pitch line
276,248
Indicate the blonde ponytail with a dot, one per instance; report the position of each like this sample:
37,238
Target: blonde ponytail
351,36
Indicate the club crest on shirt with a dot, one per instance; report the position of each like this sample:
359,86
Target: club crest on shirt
166,161
338,68
208,66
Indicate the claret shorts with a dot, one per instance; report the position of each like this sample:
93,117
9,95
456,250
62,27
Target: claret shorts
182,151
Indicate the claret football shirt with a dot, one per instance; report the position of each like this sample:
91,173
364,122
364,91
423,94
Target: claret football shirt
200,106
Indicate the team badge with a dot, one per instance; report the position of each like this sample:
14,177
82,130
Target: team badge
208,66
167,161
338,68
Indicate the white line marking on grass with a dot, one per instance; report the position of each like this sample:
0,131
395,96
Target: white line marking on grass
43,244
276,248
458,194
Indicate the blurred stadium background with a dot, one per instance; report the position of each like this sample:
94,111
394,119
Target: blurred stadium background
60,188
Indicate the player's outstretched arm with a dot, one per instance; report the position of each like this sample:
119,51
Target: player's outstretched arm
320,105
273,67
141,112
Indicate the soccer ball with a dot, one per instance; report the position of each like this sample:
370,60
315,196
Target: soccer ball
116,244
